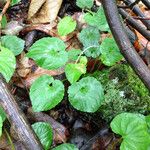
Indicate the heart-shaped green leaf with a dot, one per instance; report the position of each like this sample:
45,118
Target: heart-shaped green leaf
13,43
66,26
74,71
86,95
46,93
133,129
85,3
97,20
90,37
7,63
1,125
44,133
65,146
49,53
110,53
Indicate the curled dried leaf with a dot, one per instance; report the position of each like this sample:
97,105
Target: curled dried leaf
43,11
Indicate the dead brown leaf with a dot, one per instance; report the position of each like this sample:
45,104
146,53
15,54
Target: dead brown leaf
43,11
23,68
33,75
13,28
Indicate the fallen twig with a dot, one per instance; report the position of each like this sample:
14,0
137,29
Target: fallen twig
141,18
135,24
4,9
138,12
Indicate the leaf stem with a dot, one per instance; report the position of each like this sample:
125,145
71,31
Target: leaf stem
89,11
4,11
84,51
9,139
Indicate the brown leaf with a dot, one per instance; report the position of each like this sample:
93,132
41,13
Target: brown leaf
23,68
43,11
33,75
35,5
143,41
13,28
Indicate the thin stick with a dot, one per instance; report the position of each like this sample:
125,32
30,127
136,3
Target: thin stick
9,139
84,51
139,13
142,18
135,24
5,9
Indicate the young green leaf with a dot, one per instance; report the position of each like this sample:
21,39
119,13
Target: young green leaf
46,93
74,71
86,95
2,114
44,132
83,60
13,43
85,3
7,63
49,53
74,54
66,26
110,53
90,37
65,146
14,2
1,125
3,22
133,129
97,20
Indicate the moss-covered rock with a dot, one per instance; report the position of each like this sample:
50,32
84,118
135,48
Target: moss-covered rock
124,92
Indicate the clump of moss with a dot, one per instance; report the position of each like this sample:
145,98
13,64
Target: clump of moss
127,76
124,92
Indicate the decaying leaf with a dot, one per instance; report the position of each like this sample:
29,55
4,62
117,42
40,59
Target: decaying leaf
23,66
35,5
43,11
32,76
13,28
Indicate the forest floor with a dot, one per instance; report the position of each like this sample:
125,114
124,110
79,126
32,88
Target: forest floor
86,127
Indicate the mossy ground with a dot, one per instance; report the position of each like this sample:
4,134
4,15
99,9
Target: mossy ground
124,92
